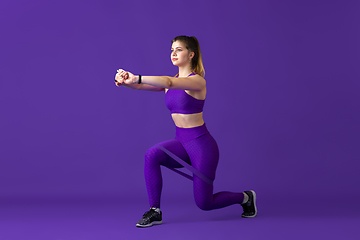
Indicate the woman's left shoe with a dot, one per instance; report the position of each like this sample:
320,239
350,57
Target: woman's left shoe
249,207
150,218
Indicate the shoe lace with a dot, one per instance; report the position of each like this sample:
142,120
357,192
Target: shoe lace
149,213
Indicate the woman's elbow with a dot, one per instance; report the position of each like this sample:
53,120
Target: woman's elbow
168,83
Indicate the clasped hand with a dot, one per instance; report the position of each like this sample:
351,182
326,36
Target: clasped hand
124,77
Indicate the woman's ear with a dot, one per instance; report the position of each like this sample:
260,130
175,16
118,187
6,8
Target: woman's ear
192,54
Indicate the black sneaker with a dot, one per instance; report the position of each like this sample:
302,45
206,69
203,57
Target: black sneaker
151,217
249,207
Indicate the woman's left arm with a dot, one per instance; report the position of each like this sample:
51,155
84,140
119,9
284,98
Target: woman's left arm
194,83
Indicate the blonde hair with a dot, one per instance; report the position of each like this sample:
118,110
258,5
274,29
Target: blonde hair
192,44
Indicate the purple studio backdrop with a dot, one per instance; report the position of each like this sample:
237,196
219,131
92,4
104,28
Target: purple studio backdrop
283,96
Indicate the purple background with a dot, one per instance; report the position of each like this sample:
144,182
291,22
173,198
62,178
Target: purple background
283,100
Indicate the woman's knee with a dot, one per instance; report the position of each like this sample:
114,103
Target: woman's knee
154,154
203,204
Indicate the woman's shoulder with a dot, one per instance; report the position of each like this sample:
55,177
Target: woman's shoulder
198,77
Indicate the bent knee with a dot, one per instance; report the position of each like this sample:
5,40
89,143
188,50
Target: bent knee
154,154
204,205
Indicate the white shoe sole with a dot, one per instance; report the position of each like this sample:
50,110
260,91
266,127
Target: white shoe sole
150,224
254,199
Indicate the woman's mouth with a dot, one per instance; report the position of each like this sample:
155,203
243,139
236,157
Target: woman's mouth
174,59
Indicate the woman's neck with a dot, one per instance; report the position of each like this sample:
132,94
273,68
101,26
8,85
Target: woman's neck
184,71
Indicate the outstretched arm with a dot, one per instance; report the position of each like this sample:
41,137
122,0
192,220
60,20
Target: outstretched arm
195,82
120,80
143,86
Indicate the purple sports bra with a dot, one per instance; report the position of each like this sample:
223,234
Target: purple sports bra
178,101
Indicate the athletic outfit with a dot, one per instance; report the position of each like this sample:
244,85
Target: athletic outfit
195,147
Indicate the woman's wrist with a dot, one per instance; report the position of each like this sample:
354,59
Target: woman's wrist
139,79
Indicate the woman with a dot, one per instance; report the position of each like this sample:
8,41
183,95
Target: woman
184,96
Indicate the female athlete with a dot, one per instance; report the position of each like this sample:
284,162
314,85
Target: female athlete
193,145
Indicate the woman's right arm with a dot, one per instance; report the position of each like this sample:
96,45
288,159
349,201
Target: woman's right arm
143,86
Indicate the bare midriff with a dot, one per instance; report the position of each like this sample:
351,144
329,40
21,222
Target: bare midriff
188,120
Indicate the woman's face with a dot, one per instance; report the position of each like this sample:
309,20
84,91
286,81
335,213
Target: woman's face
180,55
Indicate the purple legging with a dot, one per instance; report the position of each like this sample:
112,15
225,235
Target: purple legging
197,147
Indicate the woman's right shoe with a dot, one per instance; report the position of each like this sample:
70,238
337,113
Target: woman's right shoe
249,207
151,217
